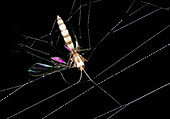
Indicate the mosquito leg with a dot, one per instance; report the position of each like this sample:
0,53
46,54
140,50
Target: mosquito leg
108,33
34,55
36,39
64,78
81,50
69,82
38,56
78,40
51,31
79,78
88,30
40,40
88,23
102,88
83,59
71,61
57,41
39,51
33,49
71,10
69,58
53,26
79,24
114,27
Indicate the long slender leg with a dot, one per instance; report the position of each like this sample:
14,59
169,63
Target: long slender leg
33,49
104,38
113,30
102,88
38,56
57,37
51,31
50,42
71,10
69,59
69,82
88,29
88,23
79,24
40,40
36,39
78,41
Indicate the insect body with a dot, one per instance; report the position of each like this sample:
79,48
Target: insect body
58,65
74,56
41,69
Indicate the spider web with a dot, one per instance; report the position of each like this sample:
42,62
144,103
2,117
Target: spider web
130,61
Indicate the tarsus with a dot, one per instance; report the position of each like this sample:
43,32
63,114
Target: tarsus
102,89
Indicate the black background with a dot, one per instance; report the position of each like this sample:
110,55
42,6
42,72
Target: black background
36,19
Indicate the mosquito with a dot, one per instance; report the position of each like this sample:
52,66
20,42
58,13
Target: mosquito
59,63
75,60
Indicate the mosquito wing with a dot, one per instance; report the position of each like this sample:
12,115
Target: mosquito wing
41,69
